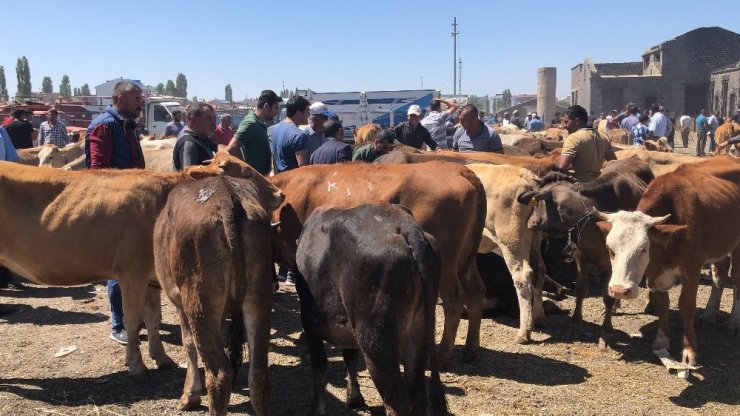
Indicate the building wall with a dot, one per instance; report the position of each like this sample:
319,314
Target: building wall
725,92
676,73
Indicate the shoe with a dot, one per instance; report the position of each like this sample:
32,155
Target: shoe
120,337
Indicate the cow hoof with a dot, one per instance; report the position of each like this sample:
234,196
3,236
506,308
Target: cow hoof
524,338
189,402
166,364
140,376
356,402
468,355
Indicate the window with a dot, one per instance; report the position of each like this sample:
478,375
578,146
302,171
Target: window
161,114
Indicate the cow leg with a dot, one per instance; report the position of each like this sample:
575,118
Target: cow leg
735,314
606,326
386,374
720,270
538,268
687,308
452,308
354,396
581,288
206,330
152,319
256,311
523,276
133,295
318,370
661,304
475,292
414,359
193,387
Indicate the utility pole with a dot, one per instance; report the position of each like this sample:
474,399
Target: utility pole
454,55
459,77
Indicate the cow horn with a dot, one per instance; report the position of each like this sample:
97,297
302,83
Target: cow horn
275,224
604,216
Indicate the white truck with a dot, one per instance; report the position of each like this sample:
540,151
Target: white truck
387,108
157,111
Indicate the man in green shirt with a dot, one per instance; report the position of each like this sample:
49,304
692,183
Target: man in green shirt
382,144
250,143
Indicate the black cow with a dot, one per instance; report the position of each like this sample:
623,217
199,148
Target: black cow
370,277
566,209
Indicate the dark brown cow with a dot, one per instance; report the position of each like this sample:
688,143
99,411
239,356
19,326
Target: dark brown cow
213,258
565,209
369,281
446,199
683,219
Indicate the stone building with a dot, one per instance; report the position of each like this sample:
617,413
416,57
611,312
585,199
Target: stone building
724,86
678,73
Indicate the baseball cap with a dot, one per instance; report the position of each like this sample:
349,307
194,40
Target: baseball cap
414,109
319,109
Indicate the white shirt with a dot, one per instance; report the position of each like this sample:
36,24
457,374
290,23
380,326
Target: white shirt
658,124
685,122
713,123
436,123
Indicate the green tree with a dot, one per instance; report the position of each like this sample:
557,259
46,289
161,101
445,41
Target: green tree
507,98
85,89
195,98
169,89
228,94
65,90
46,86
75,91
181,86
3,85
159,89
287,92
23,73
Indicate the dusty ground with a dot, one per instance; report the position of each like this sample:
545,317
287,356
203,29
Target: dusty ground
551,376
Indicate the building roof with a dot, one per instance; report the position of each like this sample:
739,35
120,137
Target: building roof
732,68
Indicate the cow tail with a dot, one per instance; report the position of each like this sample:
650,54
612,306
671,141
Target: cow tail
235,332
430,269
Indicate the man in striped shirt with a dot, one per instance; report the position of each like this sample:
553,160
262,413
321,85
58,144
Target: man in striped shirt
53,131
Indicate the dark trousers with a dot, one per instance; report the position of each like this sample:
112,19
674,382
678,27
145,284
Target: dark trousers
116,306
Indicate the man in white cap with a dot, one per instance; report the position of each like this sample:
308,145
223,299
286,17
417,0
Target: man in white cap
535,124
319,114
412,133
436,121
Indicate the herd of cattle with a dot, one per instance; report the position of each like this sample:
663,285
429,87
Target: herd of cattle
376,245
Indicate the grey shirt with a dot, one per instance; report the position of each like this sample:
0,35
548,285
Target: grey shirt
436,123
487,140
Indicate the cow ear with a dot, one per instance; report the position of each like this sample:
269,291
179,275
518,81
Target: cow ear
201,172
604,226
665,234
603,216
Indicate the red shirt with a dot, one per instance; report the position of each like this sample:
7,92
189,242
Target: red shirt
224,134
101,148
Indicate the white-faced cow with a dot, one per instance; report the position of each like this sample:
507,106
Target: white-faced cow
369,281
683,219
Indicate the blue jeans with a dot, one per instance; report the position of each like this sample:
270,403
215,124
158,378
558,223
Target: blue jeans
712,143
116,306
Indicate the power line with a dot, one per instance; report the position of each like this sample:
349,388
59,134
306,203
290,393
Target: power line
454,55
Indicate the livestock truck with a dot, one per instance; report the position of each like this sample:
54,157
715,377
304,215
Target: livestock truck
387,108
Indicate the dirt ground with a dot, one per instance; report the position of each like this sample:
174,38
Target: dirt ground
554,375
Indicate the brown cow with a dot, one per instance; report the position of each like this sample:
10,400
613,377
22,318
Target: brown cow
446,199
95,225
620,136
213,259
723,133
555,134
366,134
683,219
538,166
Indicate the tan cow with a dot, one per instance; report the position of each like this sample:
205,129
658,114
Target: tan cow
366,134
620,136
723,133
555,134
56,157
684,218
660,162
213,256
95,225
506,229
660,145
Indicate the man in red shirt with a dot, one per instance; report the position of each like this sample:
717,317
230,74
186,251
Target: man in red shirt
224,131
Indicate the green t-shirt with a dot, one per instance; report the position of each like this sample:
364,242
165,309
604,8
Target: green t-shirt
255,145
365,153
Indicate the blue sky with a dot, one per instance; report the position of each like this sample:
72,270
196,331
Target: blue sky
337,45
